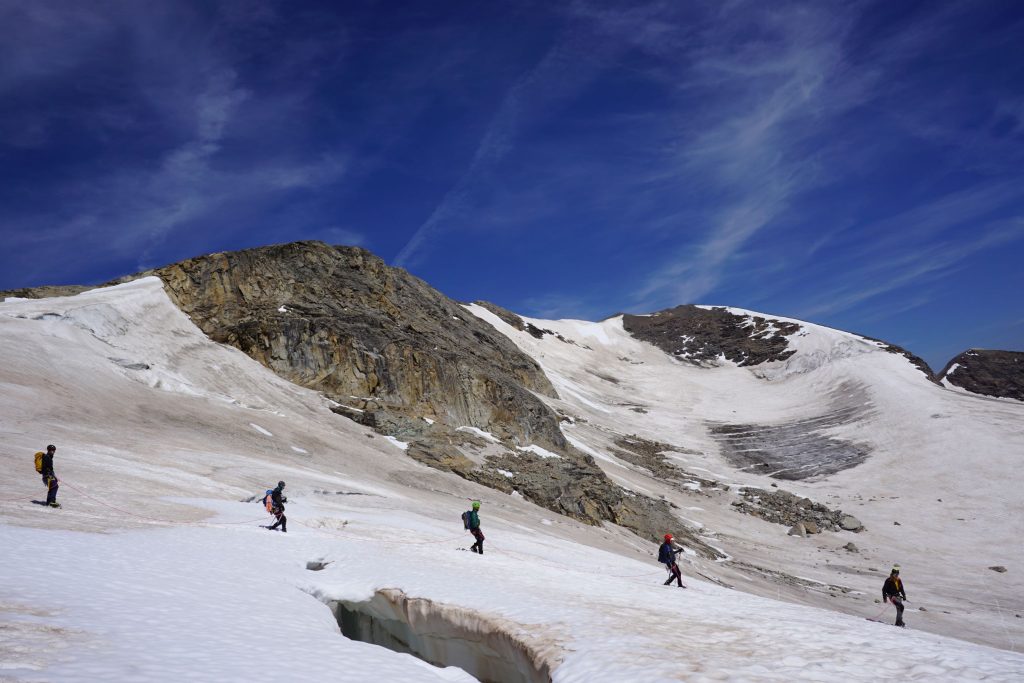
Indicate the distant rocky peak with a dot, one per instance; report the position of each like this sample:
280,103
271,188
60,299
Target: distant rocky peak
988,373
705,335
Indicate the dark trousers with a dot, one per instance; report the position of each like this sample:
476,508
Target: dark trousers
899,609
51,489
282,521
674,572
479,536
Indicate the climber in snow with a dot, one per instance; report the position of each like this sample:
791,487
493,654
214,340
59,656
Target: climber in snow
667,556
44,466
892,591
471,521
274,500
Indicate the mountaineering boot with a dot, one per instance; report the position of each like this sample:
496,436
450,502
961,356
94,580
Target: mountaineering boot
473,547
54,505
668,581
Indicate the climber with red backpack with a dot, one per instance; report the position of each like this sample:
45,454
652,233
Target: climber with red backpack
44,466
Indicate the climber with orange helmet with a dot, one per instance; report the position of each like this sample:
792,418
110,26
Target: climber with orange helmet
667,556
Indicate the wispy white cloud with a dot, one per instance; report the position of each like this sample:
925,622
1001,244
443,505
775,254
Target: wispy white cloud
747,148
773,130
566,67
210,167
882,274
554,306
341,236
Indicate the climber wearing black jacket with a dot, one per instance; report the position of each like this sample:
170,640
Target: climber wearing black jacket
277,501
893,592
49,478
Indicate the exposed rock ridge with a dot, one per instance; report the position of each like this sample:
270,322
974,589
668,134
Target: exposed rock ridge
986,372
701,336
341,321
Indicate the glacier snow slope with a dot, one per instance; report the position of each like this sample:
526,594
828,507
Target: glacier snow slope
945,465
155,571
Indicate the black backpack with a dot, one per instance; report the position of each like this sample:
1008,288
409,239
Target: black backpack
465,519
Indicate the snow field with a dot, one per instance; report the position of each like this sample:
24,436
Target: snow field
928,444
102,591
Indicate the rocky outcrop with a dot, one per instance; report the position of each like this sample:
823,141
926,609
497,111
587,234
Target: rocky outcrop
339,320
651,456
569,483
703,335
989,373
802,515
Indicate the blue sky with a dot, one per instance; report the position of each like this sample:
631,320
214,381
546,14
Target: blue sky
855,164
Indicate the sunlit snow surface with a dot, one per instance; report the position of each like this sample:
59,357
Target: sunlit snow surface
156,571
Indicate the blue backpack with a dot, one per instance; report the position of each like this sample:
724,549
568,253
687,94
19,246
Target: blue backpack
465,519
665,554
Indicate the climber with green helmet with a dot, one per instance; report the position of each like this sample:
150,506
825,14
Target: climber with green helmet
471,521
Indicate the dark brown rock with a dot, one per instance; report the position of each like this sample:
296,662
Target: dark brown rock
700,336
989,373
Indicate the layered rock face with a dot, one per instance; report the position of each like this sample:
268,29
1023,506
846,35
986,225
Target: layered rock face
339,320
989,373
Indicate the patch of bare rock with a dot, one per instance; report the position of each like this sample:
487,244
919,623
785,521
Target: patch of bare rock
701,336
802,515
989,373
652,456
